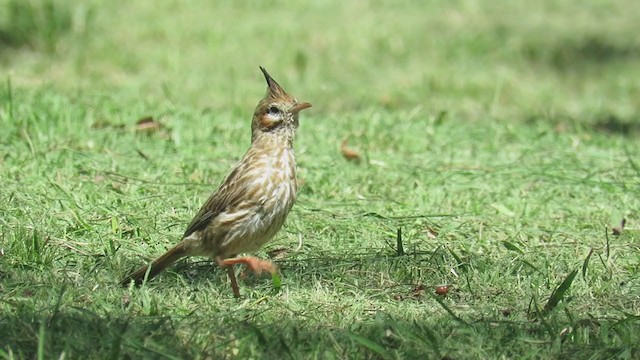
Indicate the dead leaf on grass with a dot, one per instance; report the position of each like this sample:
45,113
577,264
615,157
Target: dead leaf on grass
617,230
442,290
148,125
347,152
431,232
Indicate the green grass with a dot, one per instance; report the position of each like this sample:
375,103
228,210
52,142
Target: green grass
502,138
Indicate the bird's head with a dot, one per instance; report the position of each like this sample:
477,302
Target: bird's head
277,112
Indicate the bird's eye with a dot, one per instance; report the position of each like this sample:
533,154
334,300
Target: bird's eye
274,111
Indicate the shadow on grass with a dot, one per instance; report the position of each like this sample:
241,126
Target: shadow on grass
441,334
610,123
79,333
408,270
615,125
37,25
578,53
268,329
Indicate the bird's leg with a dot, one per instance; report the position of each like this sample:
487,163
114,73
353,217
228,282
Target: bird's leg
253,263
232,276
234,283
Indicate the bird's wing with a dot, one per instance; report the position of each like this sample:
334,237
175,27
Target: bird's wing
229,194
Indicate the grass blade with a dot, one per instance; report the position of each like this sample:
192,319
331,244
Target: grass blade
586,264
634,166
400,247
41,335
368,344
276,281
558,294
448,309
511,246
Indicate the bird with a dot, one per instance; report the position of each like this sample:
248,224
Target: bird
251,204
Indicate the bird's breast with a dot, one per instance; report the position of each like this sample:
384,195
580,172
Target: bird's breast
271,188
274,172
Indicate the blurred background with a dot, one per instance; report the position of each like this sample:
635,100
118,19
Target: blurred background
573,61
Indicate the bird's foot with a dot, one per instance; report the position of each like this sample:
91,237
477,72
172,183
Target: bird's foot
256,265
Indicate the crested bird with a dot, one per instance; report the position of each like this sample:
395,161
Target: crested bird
252,202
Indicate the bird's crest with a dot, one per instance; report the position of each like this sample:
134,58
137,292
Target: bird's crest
274,89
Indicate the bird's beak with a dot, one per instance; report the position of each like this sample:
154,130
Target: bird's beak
300,106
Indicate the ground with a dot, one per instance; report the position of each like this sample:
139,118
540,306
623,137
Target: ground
494,150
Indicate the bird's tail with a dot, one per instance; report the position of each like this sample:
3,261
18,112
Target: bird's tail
157,266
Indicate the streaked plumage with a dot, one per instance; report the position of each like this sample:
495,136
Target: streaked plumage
253,201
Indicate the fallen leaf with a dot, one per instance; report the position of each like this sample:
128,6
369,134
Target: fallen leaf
442,289
349,153
431,232
148,125
617,230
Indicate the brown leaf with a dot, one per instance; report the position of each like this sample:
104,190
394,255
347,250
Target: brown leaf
431,232
442,289
617,230
349,153
148,125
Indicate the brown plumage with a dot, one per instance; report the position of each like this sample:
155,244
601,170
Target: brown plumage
252,202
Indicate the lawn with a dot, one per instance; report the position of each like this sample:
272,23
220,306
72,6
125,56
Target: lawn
498,152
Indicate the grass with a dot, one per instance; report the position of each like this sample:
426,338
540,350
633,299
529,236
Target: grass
500,137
